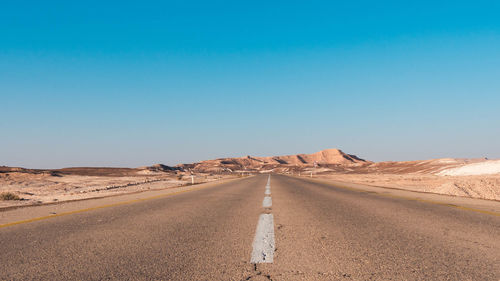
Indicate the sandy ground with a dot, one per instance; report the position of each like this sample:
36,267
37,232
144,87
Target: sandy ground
47,188
483,186
476,178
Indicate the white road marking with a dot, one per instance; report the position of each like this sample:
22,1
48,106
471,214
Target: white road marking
268,192
267,203
263,243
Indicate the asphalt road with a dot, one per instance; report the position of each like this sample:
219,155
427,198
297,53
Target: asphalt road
318,232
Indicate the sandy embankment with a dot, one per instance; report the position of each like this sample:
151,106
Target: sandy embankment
478,186
46,188
475,178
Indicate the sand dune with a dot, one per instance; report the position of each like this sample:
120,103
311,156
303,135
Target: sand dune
483,168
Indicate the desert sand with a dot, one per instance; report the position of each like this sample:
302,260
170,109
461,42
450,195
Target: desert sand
476,178
49,186
482,187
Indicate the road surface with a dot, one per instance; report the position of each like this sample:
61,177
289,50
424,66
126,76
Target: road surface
305,230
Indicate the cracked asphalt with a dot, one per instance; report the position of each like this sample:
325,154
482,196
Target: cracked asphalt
322,232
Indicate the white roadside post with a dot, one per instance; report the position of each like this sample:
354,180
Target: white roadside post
192,179
314,168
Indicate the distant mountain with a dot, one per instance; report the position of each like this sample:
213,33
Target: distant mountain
328,157
95,171
321,162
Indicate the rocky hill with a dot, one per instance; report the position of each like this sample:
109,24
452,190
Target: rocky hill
324,158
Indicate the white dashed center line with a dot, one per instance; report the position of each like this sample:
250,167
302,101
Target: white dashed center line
268,202
263,243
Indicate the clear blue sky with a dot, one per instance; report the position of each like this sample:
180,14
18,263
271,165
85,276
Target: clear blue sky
122,83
